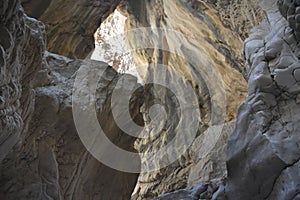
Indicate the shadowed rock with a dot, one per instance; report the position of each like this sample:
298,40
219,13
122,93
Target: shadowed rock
51,161
70,25
21,54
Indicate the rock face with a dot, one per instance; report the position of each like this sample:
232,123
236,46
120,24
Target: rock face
41,155
196,48
239,16
21,54
189,62
215,189
208,153
263,151
70,25
289,10
214,55
51,162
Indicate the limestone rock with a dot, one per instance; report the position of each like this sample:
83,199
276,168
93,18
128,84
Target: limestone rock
263,152
240,16
190,39
21,54
264,146
70,25
42,156
208,153
51,161
215,189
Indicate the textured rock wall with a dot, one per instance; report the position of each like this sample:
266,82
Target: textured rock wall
51,161
41,154
264,149
70,25
239,16
206,49
208,154
21,54
263,152
214,189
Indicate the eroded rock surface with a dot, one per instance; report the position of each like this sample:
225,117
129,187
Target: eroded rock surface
196,48
208,153
265,144
70,25
51,161
214,189
41,154
239,16
263,152
21,54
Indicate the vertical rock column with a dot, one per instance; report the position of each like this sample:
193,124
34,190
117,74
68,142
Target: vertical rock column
264,152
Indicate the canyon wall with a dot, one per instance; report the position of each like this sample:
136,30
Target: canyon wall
42,156
21,54
51,162
180,43
70,25
187,54
263,151
264,148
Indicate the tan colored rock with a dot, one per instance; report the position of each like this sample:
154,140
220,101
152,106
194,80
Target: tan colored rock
263,152
70,25
200,47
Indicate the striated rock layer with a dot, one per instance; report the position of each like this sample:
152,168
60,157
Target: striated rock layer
263,152
187,44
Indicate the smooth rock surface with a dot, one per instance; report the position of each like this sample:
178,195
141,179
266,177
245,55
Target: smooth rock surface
208,153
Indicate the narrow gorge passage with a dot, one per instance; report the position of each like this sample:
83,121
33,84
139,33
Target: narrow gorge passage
160,99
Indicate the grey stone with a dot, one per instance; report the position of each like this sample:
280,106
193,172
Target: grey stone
267,135
49,161
297,74
284,77
60,166
21,48
41,155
